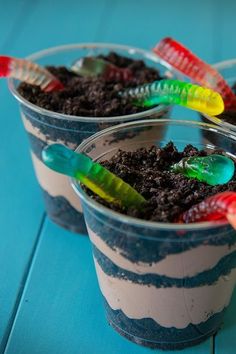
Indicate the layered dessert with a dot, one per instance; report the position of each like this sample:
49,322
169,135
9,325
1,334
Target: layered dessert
85,106
163,286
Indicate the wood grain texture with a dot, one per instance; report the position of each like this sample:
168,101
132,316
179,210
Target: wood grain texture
21,205
224,40
27,26
53,23
143,24
11,15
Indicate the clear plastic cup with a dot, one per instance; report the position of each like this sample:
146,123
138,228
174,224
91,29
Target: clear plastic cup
47,127
227,69
164,285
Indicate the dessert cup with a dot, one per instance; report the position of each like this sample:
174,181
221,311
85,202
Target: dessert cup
227,69
164,285
46,127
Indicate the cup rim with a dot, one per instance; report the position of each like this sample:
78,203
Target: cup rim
222,65
89,45
129,219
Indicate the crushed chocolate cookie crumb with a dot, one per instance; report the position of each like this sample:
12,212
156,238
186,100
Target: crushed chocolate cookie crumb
91,96
168,194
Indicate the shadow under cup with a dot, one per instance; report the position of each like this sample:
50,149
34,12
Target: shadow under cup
46,127
164,285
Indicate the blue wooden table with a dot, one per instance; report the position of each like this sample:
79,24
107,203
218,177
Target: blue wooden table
49,297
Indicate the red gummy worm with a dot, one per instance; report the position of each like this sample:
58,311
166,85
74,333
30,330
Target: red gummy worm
114,73
5,63
55,85
213,208
32,73
182,59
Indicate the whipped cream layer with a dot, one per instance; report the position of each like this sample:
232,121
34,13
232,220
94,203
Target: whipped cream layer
185,264
169,307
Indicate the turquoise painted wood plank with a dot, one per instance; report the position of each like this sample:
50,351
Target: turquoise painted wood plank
226,340
143,24
19,222
11,16
61,308
55,23
23,209
225,41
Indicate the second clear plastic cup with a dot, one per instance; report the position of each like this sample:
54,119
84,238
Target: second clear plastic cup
46,127
164,285
227,69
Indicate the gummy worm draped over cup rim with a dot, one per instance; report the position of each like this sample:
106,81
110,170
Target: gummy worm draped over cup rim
29,72
176,92
92,174
185,61
216,207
